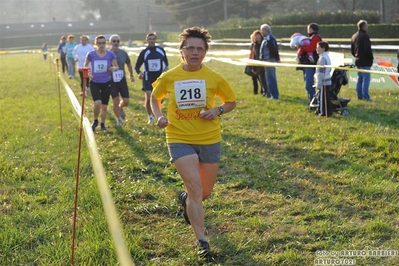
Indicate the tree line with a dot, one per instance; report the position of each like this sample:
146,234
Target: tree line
182,13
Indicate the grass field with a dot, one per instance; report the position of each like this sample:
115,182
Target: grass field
290,184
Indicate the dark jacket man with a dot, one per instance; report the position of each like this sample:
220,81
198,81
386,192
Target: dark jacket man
361,46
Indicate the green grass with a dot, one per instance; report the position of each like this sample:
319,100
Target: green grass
289,183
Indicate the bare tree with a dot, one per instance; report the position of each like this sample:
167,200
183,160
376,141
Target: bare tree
48,9
348,5
22,9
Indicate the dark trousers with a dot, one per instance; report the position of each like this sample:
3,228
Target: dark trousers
255,84
82,81
325,104
64,64
262,78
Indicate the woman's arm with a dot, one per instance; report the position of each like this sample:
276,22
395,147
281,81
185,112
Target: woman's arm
156,106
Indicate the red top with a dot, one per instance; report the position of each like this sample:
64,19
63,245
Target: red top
313,44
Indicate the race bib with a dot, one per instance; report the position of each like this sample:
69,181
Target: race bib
117,75
100,66
190,94
154,65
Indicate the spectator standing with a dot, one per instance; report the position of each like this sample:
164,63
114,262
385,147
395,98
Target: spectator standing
193,133
62,52
79,53
269,53
308,72
119,80
323,80
155,62
361,51
44,51
102,63
256,41
70,45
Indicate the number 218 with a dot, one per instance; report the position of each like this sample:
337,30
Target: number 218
188,94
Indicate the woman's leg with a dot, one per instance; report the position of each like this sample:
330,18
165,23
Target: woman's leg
188,168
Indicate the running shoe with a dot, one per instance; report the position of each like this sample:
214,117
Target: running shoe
94,125
182,200
119,123
203,247
103,127
150,119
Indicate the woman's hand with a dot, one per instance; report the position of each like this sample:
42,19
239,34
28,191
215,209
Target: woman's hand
162,122
209,114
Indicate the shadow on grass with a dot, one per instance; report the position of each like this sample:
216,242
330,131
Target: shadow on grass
377,116
363,111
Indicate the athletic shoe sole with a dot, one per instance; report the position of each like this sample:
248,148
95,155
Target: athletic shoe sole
204,251
182,200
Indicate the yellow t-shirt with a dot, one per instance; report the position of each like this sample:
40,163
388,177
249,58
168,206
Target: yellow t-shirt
189,93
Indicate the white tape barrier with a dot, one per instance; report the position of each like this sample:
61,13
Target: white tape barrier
102,183
337,59
252,62
333,42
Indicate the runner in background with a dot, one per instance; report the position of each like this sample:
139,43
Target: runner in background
79,53
102,63
155,62
62,52
119,80
70,45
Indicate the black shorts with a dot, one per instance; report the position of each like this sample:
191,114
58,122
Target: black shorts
147,84
120,88
101,91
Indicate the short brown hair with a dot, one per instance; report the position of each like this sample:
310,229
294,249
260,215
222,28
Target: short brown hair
150,34
195,32
313,26
324,44
99,37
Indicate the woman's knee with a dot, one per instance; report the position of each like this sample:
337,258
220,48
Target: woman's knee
97,103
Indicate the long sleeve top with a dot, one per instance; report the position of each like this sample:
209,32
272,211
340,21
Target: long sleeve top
269,49
361,49
311,48
322,75
155,61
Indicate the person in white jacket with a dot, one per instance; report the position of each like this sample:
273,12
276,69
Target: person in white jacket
79,54
323,80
